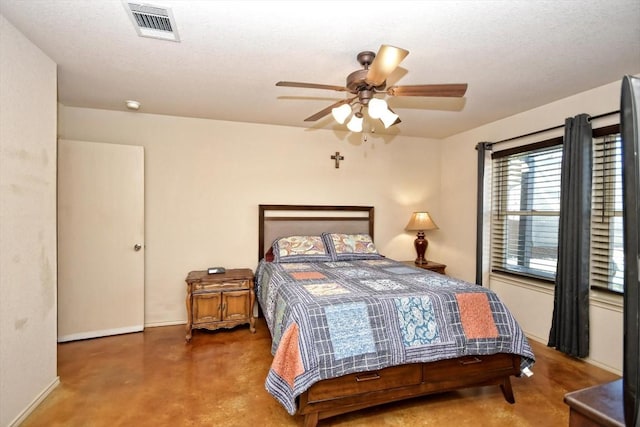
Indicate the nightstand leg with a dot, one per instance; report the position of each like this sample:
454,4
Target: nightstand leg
252,320
188,327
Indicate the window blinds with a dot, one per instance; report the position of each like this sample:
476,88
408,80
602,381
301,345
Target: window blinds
526,202
525,209
607,254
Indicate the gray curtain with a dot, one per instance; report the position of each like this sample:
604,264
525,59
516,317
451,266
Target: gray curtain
483,148
570,326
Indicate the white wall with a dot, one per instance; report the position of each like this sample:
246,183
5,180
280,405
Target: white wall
531,305
27,225
205,179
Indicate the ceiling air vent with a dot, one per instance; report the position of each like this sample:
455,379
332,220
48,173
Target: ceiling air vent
153,21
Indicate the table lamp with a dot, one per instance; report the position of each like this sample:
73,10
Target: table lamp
421,221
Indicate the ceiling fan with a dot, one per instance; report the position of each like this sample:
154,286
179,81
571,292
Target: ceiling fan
371,80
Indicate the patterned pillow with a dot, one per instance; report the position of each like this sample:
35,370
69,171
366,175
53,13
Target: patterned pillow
300,249
345,247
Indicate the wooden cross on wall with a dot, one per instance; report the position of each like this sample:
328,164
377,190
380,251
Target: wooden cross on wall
337,157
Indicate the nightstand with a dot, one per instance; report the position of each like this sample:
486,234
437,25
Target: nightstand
222,300
430,265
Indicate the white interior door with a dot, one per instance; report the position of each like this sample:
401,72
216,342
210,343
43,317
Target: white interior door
100,239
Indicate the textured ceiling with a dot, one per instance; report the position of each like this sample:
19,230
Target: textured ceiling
515,55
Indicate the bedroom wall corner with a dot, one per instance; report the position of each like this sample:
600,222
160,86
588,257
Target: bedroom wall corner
28,261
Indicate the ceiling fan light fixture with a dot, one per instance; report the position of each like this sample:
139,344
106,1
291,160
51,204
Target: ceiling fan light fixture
355,124
365,83
377,107
389,118
341,113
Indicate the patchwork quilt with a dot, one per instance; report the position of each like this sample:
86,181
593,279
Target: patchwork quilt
328,319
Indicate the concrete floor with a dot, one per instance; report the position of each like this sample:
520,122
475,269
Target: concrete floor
153,378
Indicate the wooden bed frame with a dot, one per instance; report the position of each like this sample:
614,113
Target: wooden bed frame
331,397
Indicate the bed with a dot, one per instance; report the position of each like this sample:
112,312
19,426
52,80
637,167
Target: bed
352,329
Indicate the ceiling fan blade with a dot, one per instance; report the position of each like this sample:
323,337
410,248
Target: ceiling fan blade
320,114
312,86
387,59
456,90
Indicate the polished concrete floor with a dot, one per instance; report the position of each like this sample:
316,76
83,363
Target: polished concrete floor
155,379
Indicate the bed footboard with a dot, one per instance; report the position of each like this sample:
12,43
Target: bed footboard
352,392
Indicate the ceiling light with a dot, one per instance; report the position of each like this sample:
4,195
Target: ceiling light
388,118
355,124
377,107
341,113
132,105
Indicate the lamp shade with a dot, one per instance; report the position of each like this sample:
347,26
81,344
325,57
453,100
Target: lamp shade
341,113
388,118
421,221
377,107
355,124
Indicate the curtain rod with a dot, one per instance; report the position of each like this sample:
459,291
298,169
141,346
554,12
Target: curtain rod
599,116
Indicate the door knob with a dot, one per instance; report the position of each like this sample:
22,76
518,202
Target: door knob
137,247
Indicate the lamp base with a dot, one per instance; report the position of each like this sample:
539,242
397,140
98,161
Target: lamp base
421,247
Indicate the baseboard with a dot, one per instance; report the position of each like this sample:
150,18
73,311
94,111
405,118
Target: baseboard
601,365
588,360
103,333
536,338
34,403
168,323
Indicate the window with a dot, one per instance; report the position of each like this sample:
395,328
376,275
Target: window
526,209
526,203
607,252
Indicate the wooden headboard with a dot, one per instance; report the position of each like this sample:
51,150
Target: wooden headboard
291,220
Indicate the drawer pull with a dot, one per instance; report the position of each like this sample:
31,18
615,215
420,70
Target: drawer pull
369,377
471,362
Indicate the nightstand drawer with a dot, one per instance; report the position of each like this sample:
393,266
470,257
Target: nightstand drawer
227,285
